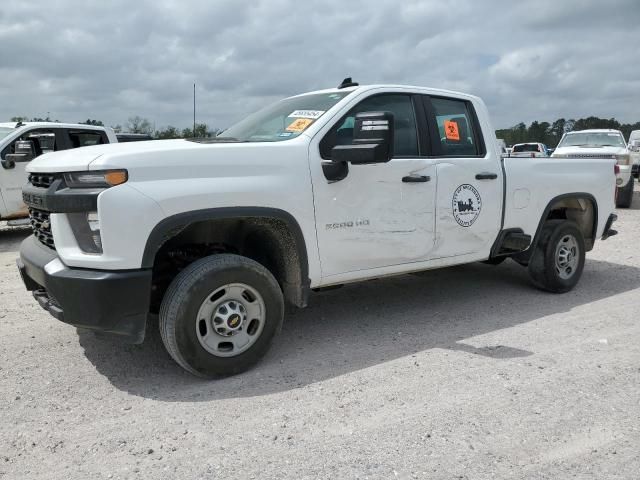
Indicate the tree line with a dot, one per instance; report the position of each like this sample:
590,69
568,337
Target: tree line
551,133
137,124
543,132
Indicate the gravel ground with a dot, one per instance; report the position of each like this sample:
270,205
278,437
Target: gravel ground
464,373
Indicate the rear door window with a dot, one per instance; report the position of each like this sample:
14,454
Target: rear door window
86,138
454,128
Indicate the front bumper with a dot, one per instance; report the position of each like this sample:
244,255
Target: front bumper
114,302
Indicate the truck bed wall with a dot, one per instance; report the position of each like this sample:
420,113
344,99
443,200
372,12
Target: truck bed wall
531,183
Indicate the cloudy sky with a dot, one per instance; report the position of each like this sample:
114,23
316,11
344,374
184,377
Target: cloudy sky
110,60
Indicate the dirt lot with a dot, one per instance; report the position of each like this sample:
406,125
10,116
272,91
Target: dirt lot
465,373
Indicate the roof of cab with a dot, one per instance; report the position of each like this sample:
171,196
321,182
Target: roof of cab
363,88
51,125
596,130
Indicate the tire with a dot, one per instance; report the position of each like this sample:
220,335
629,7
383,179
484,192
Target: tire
234,295
558,259
625,195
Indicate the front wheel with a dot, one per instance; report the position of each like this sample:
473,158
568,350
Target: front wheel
558,260
220,314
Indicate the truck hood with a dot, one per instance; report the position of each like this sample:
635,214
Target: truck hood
172,159
82,158
589,151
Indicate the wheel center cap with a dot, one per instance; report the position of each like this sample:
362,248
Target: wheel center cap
234,321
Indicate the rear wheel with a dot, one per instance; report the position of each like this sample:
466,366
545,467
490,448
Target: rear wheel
220,314
558,260
625,195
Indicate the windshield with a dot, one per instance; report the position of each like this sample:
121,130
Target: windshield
283,120
585,139
526,147
4,131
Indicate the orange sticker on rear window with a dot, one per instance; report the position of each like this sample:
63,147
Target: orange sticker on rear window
451,130
299,124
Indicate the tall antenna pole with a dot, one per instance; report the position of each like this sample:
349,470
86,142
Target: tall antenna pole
194,110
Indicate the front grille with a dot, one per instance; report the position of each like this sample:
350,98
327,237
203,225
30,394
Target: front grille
587,155
43,180
41,226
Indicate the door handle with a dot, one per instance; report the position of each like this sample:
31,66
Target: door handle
416,179
486,176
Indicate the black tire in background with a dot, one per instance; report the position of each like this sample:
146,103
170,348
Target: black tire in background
559,240
182,303
625,195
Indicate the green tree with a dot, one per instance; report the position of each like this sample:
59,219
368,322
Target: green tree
34,119
168,132
97,123
202,131
138,124
550,134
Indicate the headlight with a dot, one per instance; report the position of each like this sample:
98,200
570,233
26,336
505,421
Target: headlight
622,159
97,179
86,229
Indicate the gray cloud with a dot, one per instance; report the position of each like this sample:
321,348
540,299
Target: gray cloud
111,60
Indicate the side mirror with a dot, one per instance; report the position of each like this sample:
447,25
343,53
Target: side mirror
372,140
24,151
8,164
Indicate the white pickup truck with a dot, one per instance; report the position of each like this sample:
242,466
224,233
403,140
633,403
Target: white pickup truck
211,238
601,143
529,150
22,142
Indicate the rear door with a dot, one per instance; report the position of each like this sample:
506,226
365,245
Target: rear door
470,180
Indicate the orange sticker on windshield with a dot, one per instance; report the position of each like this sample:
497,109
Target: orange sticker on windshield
451,130
299,125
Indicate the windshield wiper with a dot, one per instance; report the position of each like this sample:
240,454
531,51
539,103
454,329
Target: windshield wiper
213,140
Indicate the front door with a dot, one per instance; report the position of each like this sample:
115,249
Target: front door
381,214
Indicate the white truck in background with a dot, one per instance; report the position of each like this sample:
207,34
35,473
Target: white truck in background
601,143
22,142
207,239
529,150
634,150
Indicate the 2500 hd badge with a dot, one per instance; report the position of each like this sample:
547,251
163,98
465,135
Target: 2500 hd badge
349,224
